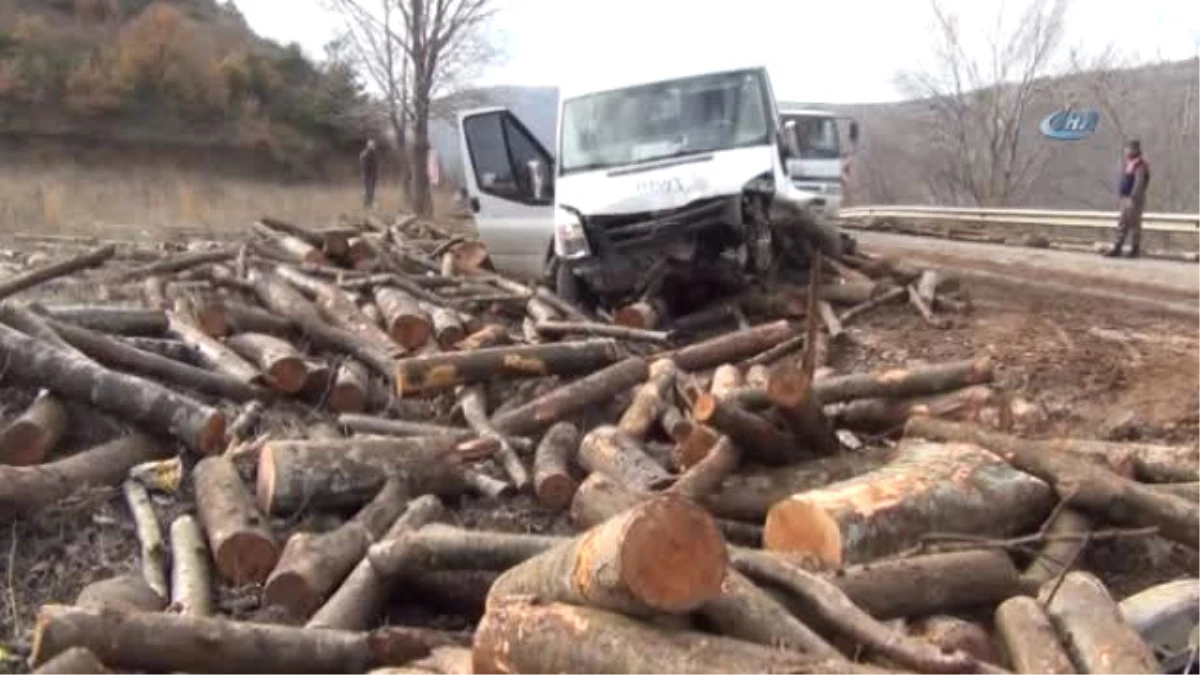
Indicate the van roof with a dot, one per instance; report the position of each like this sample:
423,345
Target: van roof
610,83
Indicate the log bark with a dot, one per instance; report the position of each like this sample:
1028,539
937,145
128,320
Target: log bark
758,437
246,421
746,612
164,347
407,324
790,390
672,421
1029,638
850,293
30,278
424,374
281,364
705,476
111,320
238,535
890,295
1088,486
1151,463
363,595
74,660
154,642
339,309
649,400
1093,629
521,637
30,437
833,326
484,485
904,382
663,555
552,480
441,547
1188,491
929,487
125,592
212,352
829,605
953,634
491,335
131,398
881,415
731,347
150,539
367,424
23,490
351,385
609,450
554,329
571,398
347,473
929,584
191,581
1056,554
448,330
926,286
177,263
694,447
116,354
202,311
312,566
248,319
29,320
291,246
474,408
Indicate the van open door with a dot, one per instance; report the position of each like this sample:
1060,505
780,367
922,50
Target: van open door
510,189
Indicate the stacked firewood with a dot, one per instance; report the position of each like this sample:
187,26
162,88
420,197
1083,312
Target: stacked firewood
739,506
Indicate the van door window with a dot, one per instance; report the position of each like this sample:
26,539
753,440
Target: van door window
523,150
493,169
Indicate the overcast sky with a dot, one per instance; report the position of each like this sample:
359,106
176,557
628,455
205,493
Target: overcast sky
835,51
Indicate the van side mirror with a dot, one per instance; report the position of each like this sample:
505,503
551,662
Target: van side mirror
791,141
539,178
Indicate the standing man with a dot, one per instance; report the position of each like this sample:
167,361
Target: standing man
1135,176
369,164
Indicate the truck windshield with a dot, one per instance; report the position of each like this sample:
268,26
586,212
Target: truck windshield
665,119
818,136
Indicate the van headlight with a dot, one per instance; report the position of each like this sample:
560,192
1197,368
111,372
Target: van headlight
570,241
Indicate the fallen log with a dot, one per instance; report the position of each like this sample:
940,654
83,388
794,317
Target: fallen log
923,308
695,445
25,489
334,242
243,548
201,310
850,293
441,547
1095,634
642,315
790,390
746,612
571,398
290,246
212,352
903,382
473,400
484,485
1055,556
672,421
928,584
116,354
124,592
164,347
30,437
552,480
363,594
407,324
312,566
523,637
491,335
177,263
609,450
155,642
191,581
663,555
1087,486
347,473
554,329
890,295
74,660
424,374
731,347
649,400
30,278
281,364
1151,463
881,415
33,324
929,487
111,320
351,386
757,436
366,424
149,535
448,330
953,634
725,379
704,477
247,319
1188,491
1029,638
339,309
827,603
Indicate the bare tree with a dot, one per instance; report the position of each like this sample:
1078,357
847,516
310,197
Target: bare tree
978,105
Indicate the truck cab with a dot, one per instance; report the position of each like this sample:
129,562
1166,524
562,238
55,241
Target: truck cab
821,165
663,183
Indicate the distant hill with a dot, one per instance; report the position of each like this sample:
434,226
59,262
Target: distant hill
184,73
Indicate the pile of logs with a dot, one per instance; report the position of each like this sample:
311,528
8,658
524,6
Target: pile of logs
736,505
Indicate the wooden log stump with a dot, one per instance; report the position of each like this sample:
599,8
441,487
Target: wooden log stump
124,592
552,480
1029,638
30,361
281,364
790,391
23,490
672,421
904,382
731,347
191,581
755,435
609,450
347,473
243,548
929,487
31,436
424,374
312,566
663,555
1092,628
927,584
74,660
571,398
649,400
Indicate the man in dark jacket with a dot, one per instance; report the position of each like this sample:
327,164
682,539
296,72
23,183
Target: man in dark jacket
1135,177
369,163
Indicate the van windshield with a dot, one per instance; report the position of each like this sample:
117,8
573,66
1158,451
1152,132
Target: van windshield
664,119
818,136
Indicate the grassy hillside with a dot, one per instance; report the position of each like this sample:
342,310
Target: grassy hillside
186,73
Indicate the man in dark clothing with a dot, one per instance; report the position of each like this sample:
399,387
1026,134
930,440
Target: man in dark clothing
369,163
1135,177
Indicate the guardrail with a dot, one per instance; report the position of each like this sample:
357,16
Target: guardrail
1152,221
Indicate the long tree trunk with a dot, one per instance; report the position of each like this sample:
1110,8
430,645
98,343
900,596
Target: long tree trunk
552,480
790,390
609,450
1093,630
928,584
37,275
746,612
240,538
424,374
131,398
731,347
191,580
649,400
111,320
441,547
883,415
29,438
281,364
757,436
25,489
929,487
473,400
1029,638
903,382
571,398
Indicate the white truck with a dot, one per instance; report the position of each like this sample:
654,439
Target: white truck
821,165
674,186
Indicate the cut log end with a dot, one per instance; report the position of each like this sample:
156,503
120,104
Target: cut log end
412,332
264,485
288,375
804,526
694,447
289,589
346,397
788,387
246,556
555,491
212,434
